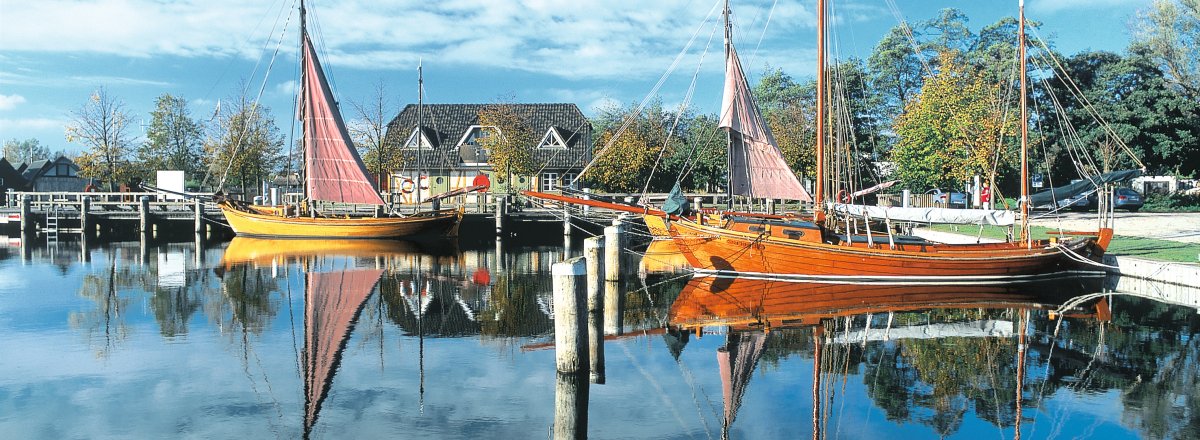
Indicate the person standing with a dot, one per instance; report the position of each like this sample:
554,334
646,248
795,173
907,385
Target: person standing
985,197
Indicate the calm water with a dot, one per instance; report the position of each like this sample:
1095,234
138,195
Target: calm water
260,339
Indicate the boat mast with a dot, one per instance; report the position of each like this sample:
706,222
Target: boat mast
819,199
728,133
1025,236
420,134
300,108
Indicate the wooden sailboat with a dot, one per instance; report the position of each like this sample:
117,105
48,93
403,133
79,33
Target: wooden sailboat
335,173
801,249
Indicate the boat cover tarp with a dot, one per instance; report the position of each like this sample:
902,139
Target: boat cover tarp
756,165
333,169
930,215
1080,187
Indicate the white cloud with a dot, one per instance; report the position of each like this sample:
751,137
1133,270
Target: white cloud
9,102
566,38
8,125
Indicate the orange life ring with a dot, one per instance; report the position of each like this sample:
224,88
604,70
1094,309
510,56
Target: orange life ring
407,185
843,196
90,188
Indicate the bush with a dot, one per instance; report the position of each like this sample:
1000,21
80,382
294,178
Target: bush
1173,202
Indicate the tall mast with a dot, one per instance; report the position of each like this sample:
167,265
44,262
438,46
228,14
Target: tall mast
420,134
300,105
1025,236
819,200
728,135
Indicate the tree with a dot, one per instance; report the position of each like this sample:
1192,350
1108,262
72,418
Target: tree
27,150
368,131
173,139
950,131
103,125
629,145
510,149
1170,32
245,146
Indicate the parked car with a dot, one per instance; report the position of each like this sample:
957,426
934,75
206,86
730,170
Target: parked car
1123,198
942,199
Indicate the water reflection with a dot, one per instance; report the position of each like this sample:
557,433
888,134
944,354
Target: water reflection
940,356
256,338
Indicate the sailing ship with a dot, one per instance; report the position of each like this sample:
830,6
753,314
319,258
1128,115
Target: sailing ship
829,249
333,173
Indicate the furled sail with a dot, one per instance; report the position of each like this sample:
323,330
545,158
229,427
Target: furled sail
756,165
333,169
931,215
332,302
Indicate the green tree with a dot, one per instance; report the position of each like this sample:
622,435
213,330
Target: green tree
1170,33
245,146
173,139
629,146
950,131
103,125
27,150
510,149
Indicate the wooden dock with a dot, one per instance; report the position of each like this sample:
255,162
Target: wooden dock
149,212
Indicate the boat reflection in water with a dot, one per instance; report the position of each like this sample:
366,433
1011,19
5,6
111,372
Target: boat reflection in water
960,341
339,278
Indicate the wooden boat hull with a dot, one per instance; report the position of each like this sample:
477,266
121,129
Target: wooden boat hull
434,223
719,250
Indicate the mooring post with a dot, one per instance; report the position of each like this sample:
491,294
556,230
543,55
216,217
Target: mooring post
144,214
570,407
566,220
570,320
771,206
593,252
26,211
614,243
85,206
614,308
500,208
199,226
587,195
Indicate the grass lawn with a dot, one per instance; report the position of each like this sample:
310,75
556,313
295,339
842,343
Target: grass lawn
1149,248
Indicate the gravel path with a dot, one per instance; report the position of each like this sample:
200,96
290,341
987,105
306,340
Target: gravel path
1183,227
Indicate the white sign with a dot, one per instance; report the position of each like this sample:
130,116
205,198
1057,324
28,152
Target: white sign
170,181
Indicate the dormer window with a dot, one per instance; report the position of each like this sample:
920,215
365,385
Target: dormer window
477,134
553,139
418,140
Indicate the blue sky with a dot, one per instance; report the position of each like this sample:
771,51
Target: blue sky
54,53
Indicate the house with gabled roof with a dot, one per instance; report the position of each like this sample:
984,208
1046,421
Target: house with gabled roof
446,146
59,174
10,180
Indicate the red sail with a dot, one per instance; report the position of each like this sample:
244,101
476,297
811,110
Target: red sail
333,169
756,166
332,303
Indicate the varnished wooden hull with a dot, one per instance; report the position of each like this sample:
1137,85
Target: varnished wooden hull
718,250
433,224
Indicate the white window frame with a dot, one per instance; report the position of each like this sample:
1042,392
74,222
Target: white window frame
550,181
425,144
553,140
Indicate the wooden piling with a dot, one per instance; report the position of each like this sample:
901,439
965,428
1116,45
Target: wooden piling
614,243
501,206
26,214
144,214
614,308
566,220
570,320
199,226
85,206
570,407
593,252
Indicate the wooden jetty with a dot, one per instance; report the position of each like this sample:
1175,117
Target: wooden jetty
149,212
